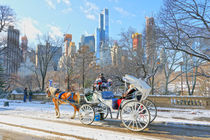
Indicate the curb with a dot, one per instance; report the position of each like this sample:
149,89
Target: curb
183,125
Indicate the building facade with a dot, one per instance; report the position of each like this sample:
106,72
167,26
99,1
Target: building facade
44,52
116,54
12,56
88,40
137,45
72,49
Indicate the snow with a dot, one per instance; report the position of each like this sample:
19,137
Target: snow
15,92
40,115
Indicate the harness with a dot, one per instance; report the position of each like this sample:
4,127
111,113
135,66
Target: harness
70,98
60,94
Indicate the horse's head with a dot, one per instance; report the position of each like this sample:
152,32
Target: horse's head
50,91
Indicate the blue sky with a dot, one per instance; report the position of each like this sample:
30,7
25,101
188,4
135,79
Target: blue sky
79,16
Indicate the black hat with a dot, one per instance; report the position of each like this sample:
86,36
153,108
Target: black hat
101,74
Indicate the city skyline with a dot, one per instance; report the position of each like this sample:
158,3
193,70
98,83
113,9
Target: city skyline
58,17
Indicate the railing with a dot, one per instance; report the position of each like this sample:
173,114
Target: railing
181,101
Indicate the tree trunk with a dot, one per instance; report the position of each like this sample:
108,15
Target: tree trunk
194,81
68,83
43,84
166,86
152,84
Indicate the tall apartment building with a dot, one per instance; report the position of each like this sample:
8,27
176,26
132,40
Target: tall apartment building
137,44
67,41
102,49
12,56
70,47
88,40
151,45
116,54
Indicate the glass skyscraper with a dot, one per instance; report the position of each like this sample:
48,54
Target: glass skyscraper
102,37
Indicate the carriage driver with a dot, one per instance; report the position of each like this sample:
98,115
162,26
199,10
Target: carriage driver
99,82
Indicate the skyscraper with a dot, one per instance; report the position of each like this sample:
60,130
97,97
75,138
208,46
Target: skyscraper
150,40
102,49
67,40
88,40
12,56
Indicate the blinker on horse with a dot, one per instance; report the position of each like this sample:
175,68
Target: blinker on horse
63,98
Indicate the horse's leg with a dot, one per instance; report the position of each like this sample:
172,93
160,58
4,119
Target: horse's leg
75,110
57,112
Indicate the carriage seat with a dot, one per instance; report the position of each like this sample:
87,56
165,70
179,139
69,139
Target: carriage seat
107,94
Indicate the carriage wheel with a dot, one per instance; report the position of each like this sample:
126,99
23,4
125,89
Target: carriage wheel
152,109
103,110
86,114
135,116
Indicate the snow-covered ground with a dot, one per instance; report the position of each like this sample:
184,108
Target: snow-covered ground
38,118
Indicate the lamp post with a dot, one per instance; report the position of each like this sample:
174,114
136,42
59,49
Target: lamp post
181,63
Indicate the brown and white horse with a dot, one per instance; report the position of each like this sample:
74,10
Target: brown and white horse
62,99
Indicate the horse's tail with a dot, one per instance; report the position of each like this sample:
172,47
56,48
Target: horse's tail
78,97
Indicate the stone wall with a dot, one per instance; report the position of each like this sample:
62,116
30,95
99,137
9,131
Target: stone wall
41,97
160,101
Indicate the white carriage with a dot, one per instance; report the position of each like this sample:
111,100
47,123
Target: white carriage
135,113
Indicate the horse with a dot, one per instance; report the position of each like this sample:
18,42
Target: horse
63,98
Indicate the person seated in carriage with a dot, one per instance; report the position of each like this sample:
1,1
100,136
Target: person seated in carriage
129,92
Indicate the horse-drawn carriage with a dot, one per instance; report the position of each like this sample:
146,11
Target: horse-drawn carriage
135,110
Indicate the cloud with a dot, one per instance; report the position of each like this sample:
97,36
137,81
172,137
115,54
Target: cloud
67,10
123,12
29,27
50,4
67,2
55,31
90,10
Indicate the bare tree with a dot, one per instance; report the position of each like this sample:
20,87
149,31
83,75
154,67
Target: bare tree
46,51
84,62
66,65
191,70
136,64
7,17
185,25
170,64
